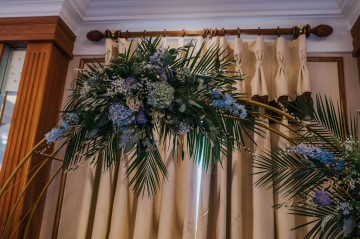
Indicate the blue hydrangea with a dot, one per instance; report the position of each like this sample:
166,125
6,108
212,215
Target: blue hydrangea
322,198
160,94
121,115
53,135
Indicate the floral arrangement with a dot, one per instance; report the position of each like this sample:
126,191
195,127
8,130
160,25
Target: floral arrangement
132,106
320,174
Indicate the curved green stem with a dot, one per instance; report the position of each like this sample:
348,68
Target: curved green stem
20,197
18,167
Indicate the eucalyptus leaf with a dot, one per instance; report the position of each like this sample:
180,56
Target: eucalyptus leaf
138,135
349,225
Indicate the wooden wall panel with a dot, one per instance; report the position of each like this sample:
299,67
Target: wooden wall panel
49,48
39,98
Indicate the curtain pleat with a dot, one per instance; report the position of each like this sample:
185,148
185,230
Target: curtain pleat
108,208
303,82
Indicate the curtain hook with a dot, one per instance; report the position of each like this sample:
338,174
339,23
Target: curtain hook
164,33
278,31
183,33
145,33
238,32
127,34
258,32
223,31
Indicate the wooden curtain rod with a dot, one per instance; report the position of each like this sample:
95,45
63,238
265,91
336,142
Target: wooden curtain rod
320,31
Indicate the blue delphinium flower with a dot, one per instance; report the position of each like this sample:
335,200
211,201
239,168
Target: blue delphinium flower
322,198
218,103
64,125
243,115
141,118
53,135
216,93
345,208
121,115
320,154
339,165
228,100
71,118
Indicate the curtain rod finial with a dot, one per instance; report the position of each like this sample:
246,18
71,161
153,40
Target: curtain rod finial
95,35
321,30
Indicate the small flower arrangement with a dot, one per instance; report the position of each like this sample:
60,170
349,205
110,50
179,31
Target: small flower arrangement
320,175
141,100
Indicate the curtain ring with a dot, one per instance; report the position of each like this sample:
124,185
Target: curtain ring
258,31
205,33
278,31
127,34
215,32
183,33
164,33
238,32
223,31
211,31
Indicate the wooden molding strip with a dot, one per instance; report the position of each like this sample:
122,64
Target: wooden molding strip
38,29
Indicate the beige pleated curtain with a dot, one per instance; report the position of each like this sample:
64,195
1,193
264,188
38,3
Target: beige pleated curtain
193,203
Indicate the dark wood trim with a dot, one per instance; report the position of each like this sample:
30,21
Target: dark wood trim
341,75
2,45
49,47
355,32
37,29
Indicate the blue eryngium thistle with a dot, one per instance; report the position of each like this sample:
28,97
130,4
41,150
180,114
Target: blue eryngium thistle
322,198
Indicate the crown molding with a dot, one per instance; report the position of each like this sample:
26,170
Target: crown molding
73,14
30,8
157,9
350,10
